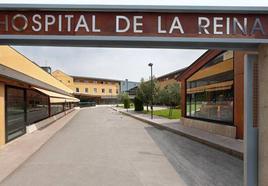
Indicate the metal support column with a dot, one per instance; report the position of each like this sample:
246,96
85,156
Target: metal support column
250,133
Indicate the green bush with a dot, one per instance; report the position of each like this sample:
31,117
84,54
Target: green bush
138,104
126,103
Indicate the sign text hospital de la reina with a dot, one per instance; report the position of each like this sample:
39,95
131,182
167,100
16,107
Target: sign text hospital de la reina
134,24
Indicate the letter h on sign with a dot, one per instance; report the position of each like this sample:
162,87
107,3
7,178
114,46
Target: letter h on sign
4,22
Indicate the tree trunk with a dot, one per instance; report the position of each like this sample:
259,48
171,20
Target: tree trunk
170,112
147,107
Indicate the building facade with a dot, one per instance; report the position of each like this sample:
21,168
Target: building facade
28,94
169,79
89,89
127,85
212,93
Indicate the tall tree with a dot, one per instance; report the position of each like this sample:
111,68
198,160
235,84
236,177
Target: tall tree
146,93
170,96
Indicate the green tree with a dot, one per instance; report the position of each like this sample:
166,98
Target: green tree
124,98
174,93
170,96
144,92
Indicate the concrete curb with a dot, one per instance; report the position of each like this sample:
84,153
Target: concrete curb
227,150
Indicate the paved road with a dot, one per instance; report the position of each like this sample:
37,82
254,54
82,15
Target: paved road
100,147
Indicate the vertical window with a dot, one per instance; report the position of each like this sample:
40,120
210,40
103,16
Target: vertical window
15,112
110,91
210,91
103,90
86,90
77,89
95,90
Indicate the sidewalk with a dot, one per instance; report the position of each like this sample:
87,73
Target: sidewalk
229,145
15,153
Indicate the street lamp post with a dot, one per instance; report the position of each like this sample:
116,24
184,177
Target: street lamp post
151,65
127,84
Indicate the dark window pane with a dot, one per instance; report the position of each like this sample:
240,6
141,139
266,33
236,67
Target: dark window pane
37,106
15,112
56,108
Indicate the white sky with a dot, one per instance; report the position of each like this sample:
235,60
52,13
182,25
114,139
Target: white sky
118,63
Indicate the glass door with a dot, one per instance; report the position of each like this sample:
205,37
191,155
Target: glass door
15,112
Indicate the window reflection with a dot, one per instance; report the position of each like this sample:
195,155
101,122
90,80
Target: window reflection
210,91
37,106
56,108
15,112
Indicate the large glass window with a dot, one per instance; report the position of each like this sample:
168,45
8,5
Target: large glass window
66,106
15,112
37,106
56,108
210,91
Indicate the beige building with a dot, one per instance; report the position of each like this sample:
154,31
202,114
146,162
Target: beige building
90,89
29,96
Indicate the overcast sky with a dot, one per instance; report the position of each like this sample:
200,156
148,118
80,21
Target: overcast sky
119,63
111,62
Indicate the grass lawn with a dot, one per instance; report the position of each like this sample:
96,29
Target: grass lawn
176,113
122,106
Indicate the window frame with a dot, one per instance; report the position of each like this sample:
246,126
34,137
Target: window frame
206,119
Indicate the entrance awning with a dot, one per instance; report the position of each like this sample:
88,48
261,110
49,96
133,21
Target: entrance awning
56,97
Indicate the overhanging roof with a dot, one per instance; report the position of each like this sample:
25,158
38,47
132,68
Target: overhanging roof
172,73
198,63
18,76
57,98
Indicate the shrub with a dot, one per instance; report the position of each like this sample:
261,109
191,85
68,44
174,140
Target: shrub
126,103
138,104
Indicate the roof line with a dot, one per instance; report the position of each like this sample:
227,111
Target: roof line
37,66
191,65
86,77
173,72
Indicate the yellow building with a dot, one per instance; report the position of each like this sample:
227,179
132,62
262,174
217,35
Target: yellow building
28,94
89,89
168,79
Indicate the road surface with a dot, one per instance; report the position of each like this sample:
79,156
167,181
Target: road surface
100,147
